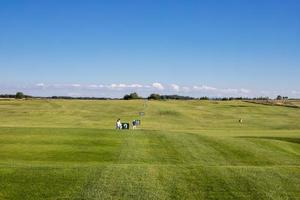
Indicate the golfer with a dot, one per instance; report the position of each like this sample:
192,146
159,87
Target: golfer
118,124
134,123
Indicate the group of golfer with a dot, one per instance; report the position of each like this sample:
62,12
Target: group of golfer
119,125
135,123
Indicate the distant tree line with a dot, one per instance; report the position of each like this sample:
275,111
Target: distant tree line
154,96
21,95
79,98
178,97
167,97
18,95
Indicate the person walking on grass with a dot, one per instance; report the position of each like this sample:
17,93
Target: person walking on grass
134,124
118,124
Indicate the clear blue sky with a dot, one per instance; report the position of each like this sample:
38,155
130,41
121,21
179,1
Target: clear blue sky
94,47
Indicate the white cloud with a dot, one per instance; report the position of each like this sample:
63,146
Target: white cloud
136,86
124,86
219,91
75,85
185,89
246,91
229,90
57,86
114,85
40,85
204,88
175,87
92,86
158,86
235,91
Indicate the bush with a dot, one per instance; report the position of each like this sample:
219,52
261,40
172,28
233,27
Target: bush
19,95
131,96
204,98
279,97
154,97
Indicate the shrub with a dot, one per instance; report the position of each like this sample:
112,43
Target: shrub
19,95
131,96
154,97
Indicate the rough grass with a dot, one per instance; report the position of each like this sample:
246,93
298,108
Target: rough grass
184,150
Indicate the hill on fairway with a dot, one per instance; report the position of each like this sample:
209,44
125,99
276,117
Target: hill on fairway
68,149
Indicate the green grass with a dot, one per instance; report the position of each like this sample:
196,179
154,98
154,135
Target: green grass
184,150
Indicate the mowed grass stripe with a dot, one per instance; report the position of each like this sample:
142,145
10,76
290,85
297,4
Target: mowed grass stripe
151,147
151,182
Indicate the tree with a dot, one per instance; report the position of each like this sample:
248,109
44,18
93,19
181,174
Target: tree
154,97
126,97
131,96
19,95
204,98
225,99
279,97
134,96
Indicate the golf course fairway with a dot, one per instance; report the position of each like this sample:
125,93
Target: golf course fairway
69,149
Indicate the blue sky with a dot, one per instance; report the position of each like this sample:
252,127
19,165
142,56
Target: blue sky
108,48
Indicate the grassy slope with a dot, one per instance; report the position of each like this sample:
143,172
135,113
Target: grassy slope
295,102
186,150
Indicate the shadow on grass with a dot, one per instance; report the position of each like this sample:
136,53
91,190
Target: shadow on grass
285,139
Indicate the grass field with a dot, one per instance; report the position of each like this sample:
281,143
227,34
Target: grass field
64,149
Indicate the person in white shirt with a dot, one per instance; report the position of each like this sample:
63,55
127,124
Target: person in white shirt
118,124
